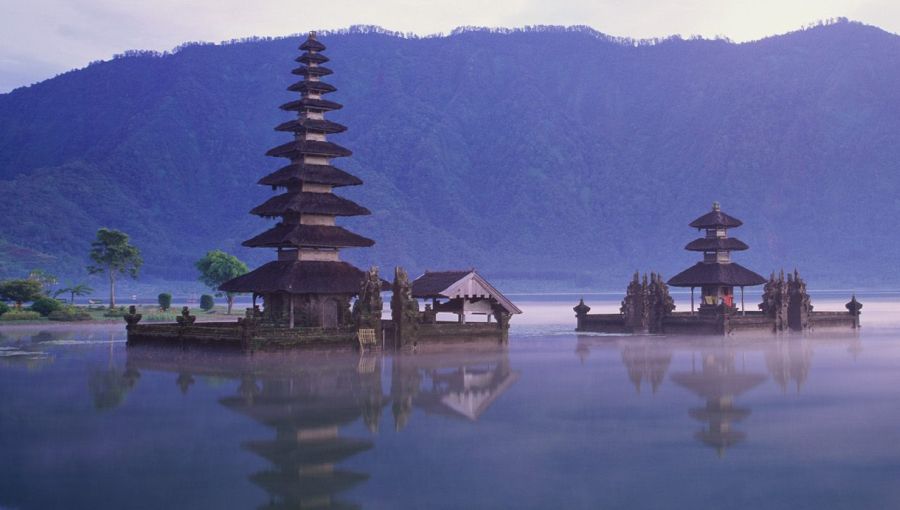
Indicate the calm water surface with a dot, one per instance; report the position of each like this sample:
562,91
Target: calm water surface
557,420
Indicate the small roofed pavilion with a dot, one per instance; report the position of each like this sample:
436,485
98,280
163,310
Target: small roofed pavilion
308,285
716,275
462,292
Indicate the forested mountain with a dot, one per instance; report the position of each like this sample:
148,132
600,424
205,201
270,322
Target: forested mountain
551,153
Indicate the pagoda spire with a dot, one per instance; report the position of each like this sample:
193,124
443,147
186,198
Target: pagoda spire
306,237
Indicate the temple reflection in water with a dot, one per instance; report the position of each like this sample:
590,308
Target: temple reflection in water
310,401
717,374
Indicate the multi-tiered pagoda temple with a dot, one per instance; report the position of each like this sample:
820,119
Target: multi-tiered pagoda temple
716,274
308,284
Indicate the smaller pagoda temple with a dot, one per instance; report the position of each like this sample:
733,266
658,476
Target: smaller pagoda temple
649,308
716,275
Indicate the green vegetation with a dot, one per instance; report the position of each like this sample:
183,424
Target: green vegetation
216,268
165,301
45,305
69,314
20,315
3,307
115,312
20,291
114,255
207,302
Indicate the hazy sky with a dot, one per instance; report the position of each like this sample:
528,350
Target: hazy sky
40,38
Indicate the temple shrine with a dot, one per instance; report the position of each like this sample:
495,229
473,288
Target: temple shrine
309,296
649,308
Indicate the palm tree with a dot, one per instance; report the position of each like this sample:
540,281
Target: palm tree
80,289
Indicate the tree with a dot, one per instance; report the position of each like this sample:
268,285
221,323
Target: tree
45,305
46,279
114,255
20,291
164,300
207,302
73,289
216,268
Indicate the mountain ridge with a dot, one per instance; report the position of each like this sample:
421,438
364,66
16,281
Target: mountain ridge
473,155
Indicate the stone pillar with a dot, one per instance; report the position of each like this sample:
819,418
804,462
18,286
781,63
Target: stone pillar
404,310
660,303
581,311
799,306
854,307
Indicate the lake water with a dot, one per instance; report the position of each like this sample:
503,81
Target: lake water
557,420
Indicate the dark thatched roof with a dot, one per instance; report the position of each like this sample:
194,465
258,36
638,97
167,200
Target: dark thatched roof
707,244
307,86
431,283
316,105
730,274
299,277
315,125
716,219
319,174
312,71
297,148
312,44
309,58
317,236
442,284
309,203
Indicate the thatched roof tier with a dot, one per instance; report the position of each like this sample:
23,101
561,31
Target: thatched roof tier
314,125
315,87
309,147
306,487
430,284
310,203
319,174
299,277
312,44
718,385
716,219
315,105
716,244
311,58
308,235
729,274
312,71
291,453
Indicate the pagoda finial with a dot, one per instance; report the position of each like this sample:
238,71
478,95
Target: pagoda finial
312,35
716,206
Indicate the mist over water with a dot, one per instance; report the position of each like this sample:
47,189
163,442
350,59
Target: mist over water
556,420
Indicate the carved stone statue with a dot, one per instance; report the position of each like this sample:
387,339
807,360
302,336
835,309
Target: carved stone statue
132,317
185,319
404,309
368,306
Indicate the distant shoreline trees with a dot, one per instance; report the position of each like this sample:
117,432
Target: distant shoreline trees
114,255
